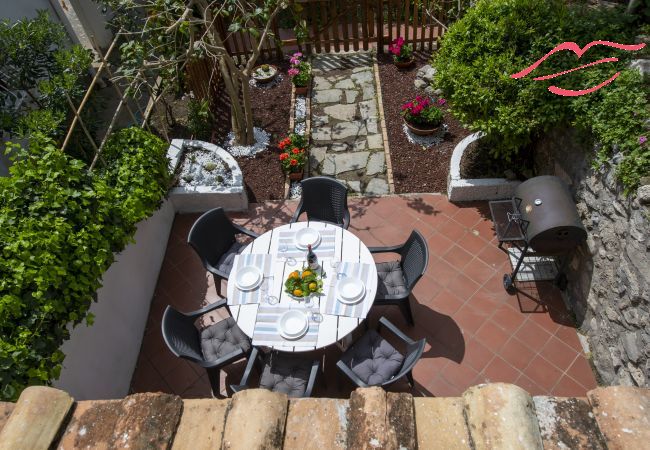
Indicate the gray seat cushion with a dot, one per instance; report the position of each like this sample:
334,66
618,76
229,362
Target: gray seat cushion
227,259
373,359
222,339
285,373
391,280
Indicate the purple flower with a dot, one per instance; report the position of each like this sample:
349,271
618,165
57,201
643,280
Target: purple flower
297,55
643,140
441,101
294,61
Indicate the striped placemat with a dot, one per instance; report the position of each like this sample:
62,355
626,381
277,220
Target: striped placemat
326,248
348,269
266,327
261,261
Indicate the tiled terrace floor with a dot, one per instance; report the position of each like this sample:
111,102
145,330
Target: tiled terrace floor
475,331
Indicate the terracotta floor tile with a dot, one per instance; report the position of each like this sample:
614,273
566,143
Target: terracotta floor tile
492,336
558,353
438,244
567,387
517,354
485,229
498,370
461,376
440,388
470,320
508,320
467,216
457,257
472,243
182,377
452,230
477,355
478,271
532,335
530,386
441,271
542,372
581,372
426,289
447,302
492,256
463,286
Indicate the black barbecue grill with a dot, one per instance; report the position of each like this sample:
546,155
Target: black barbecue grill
540,220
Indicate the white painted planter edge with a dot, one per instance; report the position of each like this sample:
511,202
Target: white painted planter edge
464,190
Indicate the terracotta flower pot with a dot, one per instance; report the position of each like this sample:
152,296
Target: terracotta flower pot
302,90
421,130
404,64
268,79
295,176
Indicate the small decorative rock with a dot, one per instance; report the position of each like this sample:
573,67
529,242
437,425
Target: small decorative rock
642,65
643,194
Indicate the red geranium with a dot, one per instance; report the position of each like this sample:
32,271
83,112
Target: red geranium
294,162
295,151
283,156
294,157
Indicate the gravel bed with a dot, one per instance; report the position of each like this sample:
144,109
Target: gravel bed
415,169
202,167
262,140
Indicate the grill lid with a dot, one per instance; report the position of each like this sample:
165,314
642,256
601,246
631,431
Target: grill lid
554,226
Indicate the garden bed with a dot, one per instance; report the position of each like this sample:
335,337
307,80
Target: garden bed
414,169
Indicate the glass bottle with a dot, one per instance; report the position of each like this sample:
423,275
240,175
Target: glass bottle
312,259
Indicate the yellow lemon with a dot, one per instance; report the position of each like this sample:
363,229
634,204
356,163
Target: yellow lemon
294,274
313,286
297,292
305,274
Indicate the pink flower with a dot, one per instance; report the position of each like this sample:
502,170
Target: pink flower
441,101
294,61
643,140
400,41
406,106
293,72
297,55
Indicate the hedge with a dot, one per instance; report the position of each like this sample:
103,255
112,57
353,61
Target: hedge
60,226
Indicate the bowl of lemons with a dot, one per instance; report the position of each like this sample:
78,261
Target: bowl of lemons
300,284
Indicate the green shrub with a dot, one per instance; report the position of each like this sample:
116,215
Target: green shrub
198,118
59,228
497,38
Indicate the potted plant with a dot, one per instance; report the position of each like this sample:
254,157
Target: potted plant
402,54
300,73
422,116
265,73
294,155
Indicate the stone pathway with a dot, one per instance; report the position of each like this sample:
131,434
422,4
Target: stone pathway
346,131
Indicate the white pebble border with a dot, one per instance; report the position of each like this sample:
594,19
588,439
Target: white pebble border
192,167
271,84
426,141
295,191
262,139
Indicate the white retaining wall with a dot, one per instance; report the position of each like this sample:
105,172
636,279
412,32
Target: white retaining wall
464,190
100,359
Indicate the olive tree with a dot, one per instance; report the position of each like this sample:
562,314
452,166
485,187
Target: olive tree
164,35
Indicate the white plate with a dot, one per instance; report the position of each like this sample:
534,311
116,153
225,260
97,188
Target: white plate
307,236
248,278
293,324
350,290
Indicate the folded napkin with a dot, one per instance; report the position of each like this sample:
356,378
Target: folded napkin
267,333
325,249
262,262
349,269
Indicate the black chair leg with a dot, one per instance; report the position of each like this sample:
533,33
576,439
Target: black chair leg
409,377
405,306
217,285
214,378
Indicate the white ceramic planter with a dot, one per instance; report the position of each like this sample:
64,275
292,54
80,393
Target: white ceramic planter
192,199
464,190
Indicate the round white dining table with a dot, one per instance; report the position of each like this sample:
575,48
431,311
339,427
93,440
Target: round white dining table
332,327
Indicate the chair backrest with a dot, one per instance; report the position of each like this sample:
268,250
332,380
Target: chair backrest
415,258
212,235
413,354
180,335
325,199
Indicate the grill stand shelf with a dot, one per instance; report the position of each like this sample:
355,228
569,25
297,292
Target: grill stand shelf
510,229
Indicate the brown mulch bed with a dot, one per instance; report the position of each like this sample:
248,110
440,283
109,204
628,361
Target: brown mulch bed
478,163
414,169
263,175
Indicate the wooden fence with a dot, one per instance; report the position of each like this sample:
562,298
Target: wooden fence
344,25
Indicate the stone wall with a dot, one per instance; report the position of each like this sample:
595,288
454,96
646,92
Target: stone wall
487,416
609,276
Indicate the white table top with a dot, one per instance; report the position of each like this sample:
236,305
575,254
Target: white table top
333,328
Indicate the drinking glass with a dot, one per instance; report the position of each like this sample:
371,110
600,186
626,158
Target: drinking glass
316,317
271,299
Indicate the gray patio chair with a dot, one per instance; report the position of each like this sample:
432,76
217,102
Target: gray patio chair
213,238
398,278
211,348
324,199
281,372
373,361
